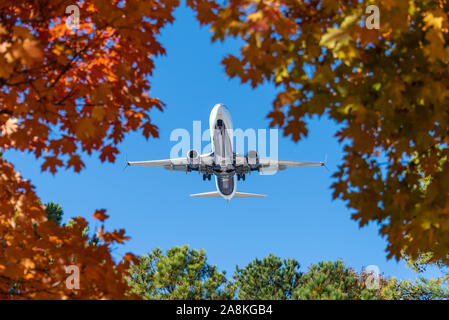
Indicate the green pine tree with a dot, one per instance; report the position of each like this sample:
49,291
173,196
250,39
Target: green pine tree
54,211
269,278
181,273
333,281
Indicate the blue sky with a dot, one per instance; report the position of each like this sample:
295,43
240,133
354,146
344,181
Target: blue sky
299,219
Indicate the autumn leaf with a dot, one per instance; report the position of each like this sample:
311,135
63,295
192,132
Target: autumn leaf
335,38
51,163
108,152
76,163
129,257
100,215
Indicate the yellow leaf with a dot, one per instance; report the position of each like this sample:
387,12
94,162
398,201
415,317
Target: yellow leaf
435,48
335,38
85,128
98,113
426,224
255,16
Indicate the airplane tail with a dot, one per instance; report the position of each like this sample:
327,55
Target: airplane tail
215,194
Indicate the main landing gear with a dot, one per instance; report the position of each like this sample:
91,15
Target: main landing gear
207,176
240,177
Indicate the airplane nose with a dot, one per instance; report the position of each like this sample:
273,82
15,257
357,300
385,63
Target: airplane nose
220,109
219,112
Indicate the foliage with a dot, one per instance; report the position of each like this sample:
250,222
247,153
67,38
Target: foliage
54,212
63,92
269,278
424,261
388,89
184,273
332,281
67,91
421,288
181,273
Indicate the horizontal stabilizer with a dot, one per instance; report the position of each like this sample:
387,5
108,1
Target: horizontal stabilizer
248,195
213,194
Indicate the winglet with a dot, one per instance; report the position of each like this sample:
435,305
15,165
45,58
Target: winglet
324,162
126,163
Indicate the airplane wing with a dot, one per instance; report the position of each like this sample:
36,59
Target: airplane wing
245,165
176,164
276,165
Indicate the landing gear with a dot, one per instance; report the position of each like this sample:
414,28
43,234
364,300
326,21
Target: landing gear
207,176
240,176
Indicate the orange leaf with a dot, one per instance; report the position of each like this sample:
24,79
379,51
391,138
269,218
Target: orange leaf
100,215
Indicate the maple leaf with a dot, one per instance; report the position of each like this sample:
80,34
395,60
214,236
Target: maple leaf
278,118
100,215
150,129
129,257
295,128
76,163
233,66
51,163
108,152
335,38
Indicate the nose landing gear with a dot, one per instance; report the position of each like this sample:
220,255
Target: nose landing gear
207,176
240,177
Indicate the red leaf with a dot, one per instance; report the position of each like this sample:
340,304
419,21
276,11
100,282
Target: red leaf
100,215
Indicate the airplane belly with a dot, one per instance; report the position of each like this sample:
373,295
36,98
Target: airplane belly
222,138
223,152
226,185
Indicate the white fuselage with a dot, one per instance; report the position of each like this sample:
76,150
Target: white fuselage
220,124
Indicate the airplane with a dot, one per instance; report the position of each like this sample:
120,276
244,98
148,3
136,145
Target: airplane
222,162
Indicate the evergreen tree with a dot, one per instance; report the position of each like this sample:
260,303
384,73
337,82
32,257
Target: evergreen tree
54,211
269,278
332,281
181,273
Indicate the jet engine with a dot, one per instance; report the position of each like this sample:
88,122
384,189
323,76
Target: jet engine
193,159
252,157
